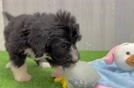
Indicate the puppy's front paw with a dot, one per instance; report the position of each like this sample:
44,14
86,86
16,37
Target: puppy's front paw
23,78
45,65
8,65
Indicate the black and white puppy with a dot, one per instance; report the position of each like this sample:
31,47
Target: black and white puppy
51,35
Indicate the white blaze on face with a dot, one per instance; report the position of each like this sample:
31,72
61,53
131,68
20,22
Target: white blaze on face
74,53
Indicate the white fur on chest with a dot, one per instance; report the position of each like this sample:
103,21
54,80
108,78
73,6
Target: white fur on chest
44,64
32,54
29,52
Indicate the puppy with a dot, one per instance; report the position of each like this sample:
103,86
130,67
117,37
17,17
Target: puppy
50,37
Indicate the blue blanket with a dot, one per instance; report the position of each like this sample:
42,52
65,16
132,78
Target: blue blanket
112,76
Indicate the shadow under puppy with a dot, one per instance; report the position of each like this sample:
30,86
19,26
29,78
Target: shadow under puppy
51,35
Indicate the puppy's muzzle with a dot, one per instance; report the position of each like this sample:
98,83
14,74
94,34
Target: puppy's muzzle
130,61
74,61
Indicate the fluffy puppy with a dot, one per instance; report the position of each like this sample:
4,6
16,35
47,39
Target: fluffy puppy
51,35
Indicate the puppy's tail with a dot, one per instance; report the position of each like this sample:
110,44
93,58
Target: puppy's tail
8,16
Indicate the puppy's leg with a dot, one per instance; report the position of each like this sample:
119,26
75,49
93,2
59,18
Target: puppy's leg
40,60
8,65
19,68
43,63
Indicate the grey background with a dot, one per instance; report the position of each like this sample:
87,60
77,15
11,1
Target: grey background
103,23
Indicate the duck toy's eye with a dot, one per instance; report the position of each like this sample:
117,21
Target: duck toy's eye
128,53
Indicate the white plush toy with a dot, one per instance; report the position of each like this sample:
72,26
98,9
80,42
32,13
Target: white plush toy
122,55
80,75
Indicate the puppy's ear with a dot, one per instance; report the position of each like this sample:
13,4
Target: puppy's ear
8,16
75,33
69,24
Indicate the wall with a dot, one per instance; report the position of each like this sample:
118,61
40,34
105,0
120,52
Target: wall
1,28
103,23
125,20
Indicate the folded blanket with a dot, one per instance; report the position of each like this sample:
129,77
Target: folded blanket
112,76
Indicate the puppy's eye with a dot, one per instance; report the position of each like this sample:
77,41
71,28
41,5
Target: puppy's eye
65,46
128,53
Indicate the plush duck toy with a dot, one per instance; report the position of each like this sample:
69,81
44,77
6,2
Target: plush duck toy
80,75
122,55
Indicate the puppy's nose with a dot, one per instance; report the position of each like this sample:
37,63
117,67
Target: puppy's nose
74,61
130,61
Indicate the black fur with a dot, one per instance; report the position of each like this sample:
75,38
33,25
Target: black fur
53,34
